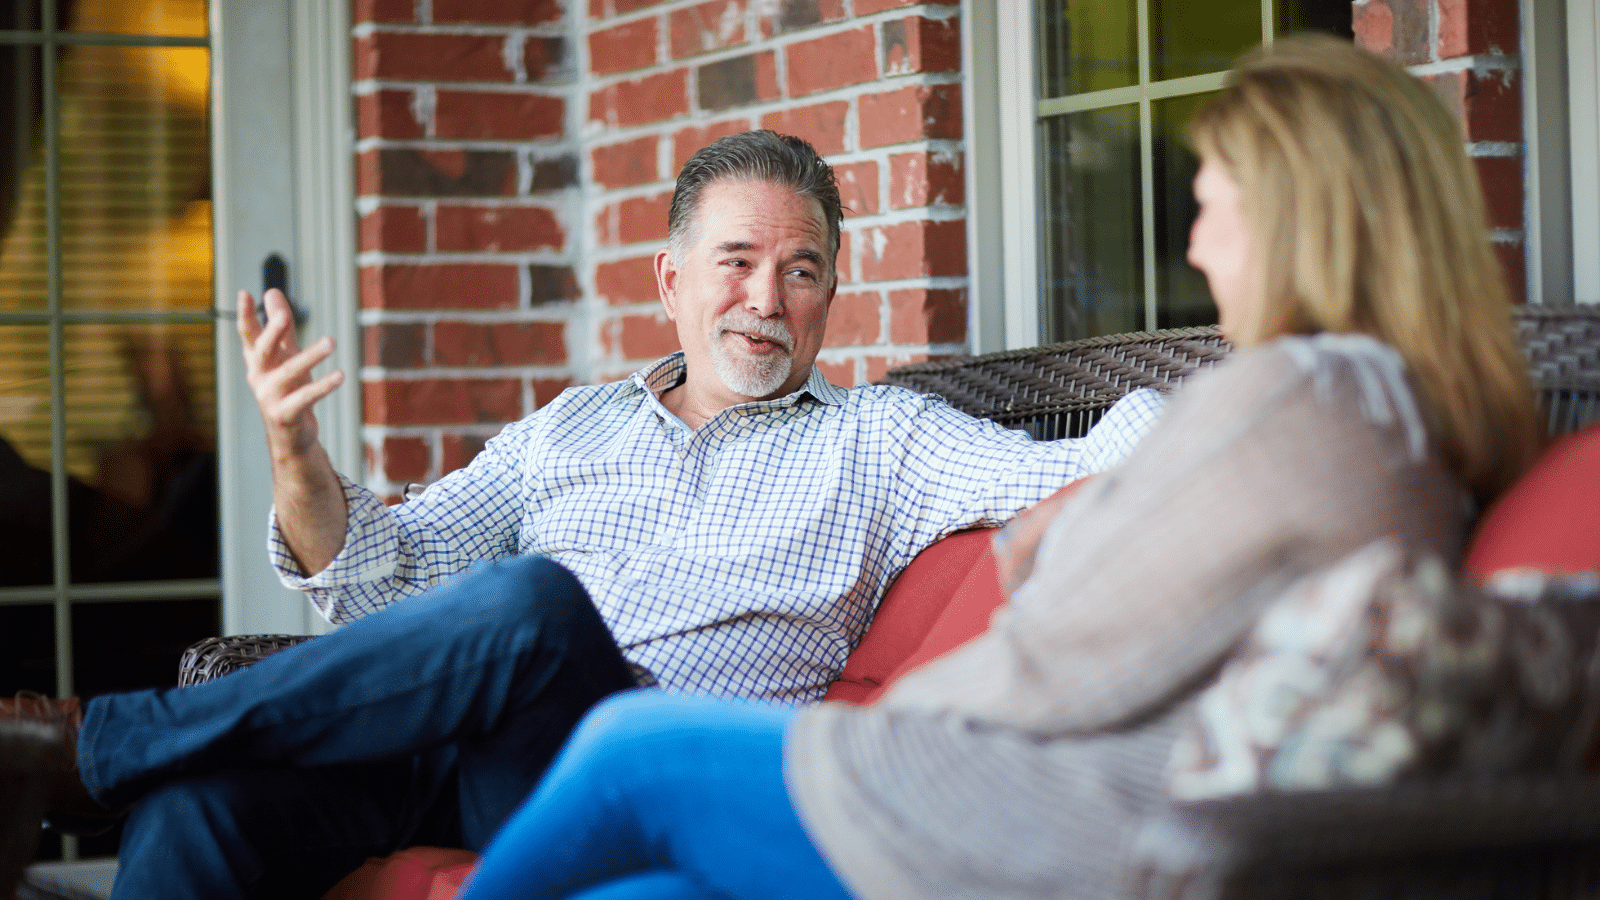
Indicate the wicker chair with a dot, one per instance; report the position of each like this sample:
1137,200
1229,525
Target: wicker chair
1061,390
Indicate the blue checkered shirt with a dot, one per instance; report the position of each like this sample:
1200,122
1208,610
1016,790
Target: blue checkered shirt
743,558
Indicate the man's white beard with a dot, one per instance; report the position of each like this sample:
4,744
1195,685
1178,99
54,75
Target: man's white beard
752,376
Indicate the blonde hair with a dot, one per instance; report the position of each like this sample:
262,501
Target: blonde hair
1367,217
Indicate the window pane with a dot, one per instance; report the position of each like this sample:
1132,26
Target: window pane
23,15
171,18
1333,16
134,172
1182,297
25,455
141,442
27,649
23,270
1188,38
135,180
1091,256
1086,46
132,644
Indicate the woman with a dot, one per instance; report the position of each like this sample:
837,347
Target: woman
1377,391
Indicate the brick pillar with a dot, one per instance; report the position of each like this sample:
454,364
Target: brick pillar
467,192
1467,50
877,89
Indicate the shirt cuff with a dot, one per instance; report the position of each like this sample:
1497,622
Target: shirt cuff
371,549
1121,428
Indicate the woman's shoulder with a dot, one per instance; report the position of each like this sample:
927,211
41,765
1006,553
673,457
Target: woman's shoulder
1322,357
1328,363
1347,375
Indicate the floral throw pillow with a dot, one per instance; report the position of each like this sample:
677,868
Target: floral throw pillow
1384,667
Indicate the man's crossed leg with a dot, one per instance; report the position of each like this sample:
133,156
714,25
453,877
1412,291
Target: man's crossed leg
428,722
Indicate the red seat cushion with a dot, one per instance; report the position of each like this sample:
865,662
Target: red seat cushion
945,598
965,616
1549,519
909,612
417,873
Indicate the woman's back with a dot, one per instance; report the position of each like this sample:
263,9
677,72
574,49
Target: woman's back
1279,462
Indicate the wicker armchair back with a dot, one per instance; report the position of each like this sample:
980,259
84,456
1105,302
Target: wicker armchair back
1061,390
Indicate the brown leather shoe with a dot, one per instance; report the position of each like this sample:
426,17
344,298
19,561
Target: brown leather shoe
30,756
69,809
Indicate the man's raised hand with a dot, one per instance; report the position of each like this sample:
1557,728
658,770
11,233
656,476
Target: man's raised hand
279,374
306,494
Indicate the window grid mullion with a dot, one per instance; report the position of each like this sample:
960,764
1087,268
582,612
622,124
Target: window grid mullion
72,38
61,545
1147,204
1147,211
1123,96
183,589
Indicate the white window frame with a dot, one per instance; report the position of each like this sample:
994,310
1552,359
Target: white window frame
1561,109
1003,153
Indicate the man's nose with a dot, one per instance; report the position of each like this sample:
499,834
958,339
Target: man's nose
764,294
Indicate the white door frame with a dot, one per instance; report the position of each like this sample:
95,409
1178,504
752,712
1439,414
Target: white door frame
1583,70
281,168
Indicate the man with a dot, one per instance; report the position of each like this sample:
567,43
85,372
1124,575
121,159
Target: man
724,522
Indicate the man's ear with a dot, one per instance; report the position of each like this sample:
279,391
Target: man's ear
667,282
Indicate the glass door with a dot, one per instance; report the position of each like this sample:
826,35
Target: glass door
108,442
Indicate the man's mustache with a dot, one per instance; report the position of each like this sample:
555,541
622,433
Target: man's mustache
767,329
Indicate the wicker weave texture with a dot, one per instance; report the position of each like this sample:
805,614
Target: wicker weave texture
1529,838
217,656
1563,347
1060,390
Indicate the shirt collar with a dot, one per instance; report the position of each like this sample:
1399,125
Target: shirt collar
667,373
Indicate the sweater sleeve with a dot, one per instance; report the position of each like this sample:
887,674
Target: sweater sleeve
1262,470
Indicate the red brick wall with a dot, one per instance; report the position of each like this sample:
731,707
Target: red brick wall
1468,50
874,84
516,158
468,186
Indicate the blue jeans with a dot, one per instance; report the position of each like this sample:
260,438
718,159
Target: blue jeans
665,797
425,723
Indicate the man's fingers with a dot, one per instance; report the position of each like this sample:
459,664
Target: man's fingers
246,318
299,401
276,335
279,331
277,305
295,369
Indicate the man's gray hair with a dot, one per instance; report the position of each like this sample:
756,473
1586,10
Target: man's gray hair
780,159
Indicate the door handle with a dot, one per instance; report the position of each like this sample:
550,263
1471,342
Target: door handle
275,274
